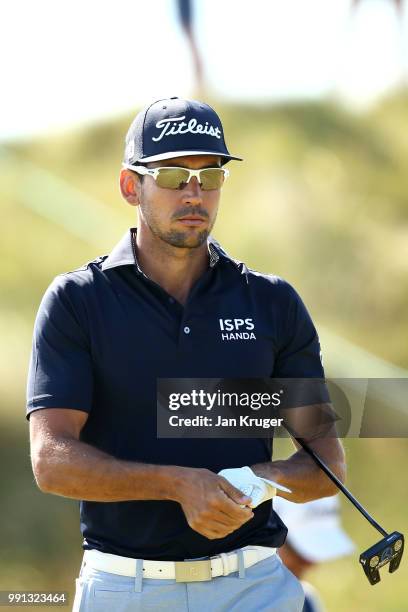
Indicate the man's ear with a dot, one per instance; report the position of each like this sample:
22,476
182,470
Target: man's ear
130,187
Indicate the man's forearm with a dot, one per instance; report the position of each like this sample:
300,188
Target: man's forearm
72,468
301,474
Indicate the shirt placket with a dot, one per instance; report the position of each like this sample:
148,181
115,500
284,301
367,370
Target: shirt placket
186,330
193,309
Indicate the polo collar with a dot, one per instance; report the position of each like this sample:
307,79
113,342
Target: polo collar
123,253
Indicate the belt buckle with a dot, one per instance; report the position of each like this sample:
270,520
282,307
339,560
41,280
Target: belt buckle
193,571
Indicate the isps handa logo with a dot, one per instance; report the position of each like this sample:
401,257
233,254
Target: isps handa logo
237,329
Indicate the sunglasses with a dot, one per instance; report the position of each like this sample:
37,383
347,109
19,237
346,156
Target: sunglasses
174,177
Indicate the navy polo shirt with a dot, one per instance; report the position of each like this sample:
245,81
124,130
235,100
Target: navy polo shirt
103,335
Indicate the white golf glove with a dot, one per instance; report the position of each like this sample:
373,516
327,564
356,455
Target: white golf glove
257,488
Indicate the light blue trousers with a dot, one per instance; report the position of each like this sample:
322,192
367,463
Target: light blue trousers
267,586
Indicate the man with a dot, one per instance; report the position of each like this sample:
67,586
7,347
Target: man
315,535
151,309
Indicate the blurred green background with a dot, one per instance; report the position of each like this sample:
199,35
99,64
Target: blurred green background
321,200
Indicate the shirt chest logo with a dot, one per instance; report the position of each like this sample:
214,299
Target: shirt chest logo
237,329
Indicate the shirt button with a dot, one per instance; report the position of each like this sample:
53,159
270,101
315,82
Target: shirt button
186,329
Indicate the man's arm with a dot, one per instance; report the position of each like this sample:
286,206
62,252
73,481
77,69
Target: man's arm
64,465
302,475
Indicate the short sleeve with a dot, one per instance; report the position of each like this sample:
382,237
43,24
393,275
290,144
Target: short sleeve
60,370
299,354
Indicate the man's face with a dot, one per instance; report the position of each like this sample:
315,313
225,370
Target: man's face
181,217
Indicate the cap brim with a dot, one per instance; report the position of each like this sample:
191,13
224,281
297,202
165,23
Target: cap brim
320,543
171,154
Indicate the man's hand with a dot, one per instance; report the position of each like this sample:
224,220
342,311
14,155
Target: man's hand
259,489
211,504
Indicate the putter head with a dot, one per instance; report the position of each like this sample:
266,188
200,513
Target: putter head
388,550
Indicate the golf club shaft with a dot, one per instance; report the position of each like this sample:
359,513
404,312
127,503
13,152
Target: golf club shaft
340,485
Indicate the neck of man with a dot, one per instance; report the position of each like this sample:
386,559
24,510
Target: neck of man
175,269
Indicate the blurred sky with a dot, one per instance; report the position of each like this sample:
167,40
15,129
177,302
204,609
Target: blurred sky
64,63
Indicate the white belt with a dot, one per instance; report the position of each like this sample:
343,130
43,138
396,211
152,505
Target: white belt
182,571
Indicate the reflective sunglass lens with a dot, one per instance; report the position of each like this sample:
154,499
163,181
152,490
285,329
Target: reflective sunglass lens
174,178
171,178
212,178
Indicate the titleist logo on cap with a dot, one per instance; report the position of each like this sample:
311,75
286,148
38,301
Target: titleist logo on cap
171,127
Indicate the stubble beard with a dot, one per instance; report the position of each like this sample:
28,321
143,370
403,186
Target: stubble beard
190,238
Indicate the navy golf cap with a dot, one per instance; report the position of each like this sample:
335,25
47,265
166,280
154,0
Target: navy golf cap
174,127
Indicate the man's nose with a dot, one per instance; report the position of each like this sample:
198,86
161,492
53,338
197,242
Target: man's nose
192,192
